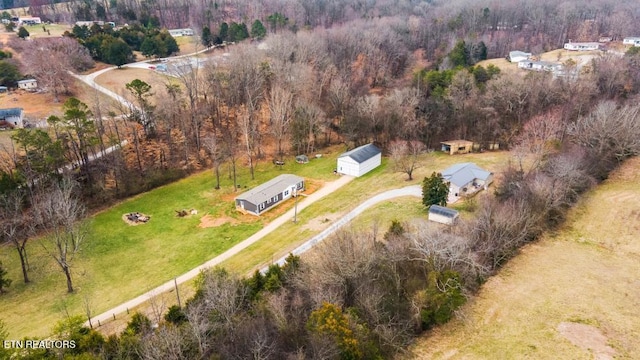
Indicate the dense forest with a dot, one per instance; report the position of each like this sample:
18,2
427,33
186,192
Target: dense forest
333,72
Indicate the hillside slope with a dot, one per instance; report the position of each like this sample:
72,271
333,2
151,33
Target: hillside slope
574,295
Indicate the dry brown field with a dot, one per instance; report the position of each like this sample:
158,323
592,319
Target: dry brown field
572,295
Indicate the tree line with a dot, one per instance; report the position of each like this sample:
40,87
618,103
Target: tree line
367,294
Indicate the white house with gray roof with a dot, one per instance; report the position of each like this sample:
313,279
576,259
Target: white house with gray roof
264,197
11,118
465,179
517,56
360,160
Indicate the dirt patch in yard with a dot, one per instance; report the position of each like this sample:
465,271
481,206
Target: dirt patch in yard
587,337
321,222
116,80
208,221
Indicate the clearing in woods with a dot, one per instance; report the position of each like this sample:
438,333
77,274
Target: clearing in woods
572,295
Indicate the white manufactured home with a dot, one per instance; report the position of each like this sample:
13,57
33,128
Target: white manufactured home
28,84
359,161
540,66
265,196
181,32
582,46
633,40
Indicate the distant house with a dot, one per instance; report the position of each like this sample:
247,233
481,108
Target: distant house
582,46
265,196
605,39
540,66
457,146
465,179
442,215
517,56
28,84
11,118
181,32
633,40
360,160
3,89
29,20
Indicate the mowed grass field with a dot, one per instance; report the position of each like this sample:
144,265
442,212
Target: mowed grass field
119,262
322,213
573,295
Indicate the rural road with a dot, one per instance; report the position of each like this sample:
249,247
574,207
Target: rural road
414,190
169,285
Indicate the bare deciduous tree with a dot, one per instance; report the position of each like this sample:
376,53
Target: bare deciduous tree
405,155
60,211
15,229
280,106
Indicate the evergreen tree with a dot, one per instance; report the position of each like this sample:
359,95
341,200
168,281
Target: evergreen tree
170,46
434,190
207,38
23,33
9,74
223,32
149,47
117,52
459,56
258,30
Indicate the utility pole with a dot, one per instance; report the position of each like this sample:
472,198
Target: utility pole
295,207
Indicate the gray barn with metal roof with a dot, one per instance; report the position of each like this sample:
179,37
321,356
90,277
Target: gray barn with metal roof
265,196
360,160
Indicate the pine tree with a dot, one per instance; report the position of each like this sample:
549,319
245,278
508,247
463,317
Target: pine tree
207,38
258,30
434,190
23,33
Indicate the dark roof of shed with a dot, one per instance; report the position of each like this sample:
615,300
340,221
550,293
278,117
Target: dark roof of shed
362,153
271,188
5,113
441,210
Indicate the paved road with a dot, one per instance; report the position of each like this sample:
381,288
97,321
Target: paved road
414,190
169,285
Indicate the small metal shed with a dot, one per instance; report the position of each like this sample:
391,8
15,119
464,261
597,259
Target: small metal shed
442,214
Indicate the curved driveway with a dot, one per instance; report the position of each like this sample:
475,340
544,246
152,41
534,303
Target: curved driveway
414,190
327,189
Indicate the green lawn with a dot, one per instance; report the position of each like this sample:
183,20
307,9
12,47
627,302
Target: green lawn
119,262
312,220
55,30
